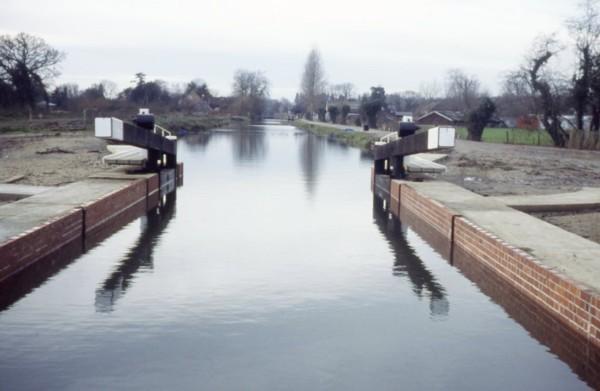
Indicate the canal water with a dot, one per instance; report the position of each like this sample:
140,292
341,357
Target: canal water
270,269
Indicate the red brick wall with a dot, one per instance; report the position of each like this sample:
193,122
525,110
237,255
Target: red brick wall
576,305
109,227
30,246
153,184
95,220
431,211
572,347
432,236
395,197
104,209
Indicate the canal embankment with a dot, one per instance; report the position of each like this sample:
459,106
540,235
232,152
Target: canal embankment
556,269
353,136
83,212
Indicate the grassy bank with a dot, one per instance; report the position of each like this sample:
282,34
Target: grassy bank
355,139
194,123
172,122
511,136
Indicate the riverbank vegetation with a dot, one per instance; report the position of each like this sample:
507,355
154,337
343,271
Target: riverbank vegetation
361,140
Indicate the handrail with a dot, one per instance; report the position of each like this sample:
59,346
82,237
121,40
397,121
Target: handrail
393,136
163,132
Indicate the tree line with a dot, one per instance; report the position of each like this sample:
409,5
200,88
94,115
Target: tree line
29,65
534,93
337,101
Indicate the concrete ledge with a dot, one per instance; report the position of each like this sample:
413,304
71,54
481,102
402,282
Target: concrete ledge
11,191
586,198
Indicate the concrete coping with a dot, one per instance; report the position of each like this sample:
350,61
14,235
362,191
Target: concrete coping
586,198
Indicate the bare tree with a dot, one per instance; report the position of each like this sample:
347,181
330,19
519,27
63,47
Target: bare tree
313,83
548,87
110,89
250,90
342,91
517,98
430,90
462,90
28,63
585,30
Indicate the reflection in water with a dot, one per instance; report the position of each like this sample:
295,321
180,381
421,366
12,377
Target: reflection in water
311,149
198,141
366,156
572,348
407,263
249,144
21,284
139,257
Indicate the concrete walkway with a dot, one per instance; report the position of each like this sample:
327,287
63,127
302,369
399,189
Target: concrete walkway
20,216
576,257
11,191
586,198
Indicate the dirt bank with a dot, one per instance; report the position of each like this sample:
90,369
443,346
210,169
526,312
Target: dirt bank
500,169
50,158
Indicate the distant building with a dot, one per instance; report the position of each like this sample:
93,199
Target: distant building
451,118
403,116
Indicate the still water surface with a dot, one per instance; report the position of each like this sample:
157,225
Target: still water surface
269,270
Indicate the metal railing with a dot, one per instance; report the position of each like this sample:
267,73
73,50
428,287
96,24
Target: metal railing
163,132
388,138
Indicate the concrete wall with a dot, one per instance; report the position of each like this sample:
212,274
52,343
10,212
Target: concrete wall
575,305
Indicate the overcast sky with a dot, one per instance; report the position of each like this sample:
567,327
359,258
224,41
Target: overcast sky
398,44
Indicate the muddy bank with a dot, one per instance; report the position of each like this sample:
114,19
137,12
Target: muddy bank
499,169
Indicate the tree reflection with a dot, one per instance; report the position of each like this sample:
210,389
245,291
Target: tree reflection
311,150
198,141
139,257
407,263
249,144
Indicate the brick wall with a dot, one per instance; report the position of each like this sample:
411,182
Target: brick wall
32,245
395,198
431,211
102,210
575,304
572,347
432,236
94,220
94,236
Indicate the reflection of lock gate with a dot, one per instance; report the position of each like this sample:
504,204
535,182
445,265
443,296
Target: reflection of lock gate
148,144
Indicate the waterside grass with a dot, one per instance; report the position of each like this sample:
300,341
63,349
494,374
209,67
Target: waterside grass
362,140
